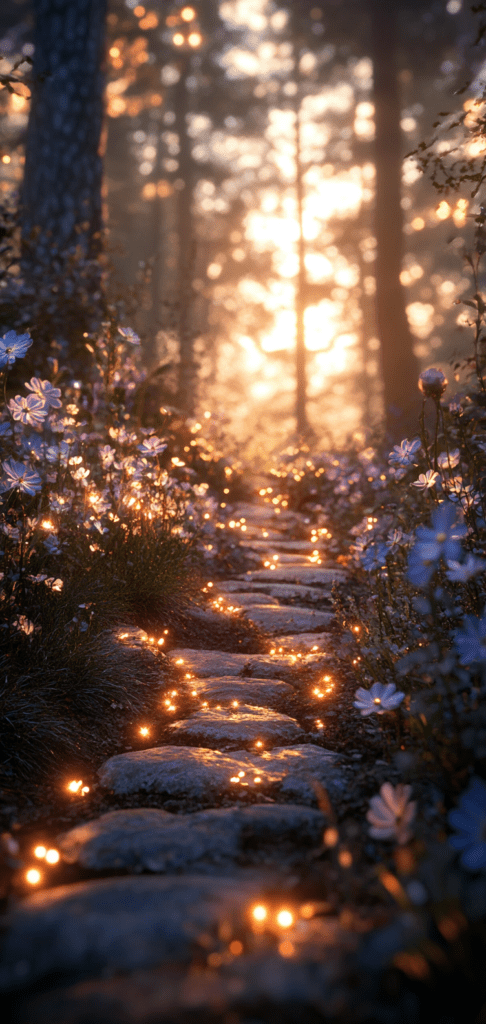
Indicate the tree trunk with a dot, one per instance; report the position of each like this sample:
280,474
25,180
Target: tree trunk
399,366
61,192
303,428
300,350
186,398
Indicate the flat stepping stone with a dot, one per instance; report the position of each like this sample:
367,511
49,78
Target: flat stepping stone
282,591
315,642
294,592
218,663
282,619
259,692
263,532
250,512
275,546
315,980
284,558
149,839
115,924
203,774
242,598
320,575
236,728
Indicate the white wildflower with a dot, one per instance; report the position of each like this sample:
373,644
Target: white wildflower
449,460
380,698
426,480
391,813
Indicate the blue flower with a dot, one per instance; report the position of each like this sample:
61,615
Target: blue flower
470,821
31,410
59,453
13,346
404,454
34,445
441,540
374,557
470,641
21,476
48,394
461,572
379,698
420,570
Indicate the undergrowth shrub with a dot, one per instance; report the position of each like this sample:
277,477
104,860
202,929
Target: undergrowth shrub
101,523
410,524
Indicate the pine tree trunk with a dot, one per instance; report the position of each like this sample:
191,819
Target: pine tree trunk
399,365
302,423
61,192
300,349
186,398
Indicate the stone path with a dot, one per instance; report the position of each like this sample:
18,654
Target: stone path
166,939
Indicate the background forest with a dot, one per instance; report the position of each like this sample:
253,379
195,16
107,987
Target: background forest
257,203
242,318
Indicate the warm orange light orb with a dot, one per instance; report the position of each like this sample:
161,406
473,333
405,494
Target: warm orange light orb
195,39
178,39
77,787
40,852
285,918
331,836
144,731
53,856
260,913
443,210
345,858
188,14
33,876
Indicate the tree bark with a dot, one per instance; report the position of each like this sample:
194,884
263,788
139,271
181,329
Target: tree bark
304,430
186,397
302,422
61,192
399,365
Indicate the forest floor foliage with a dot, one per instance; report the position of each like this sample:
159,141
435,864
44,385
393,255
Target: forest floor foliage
112,534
